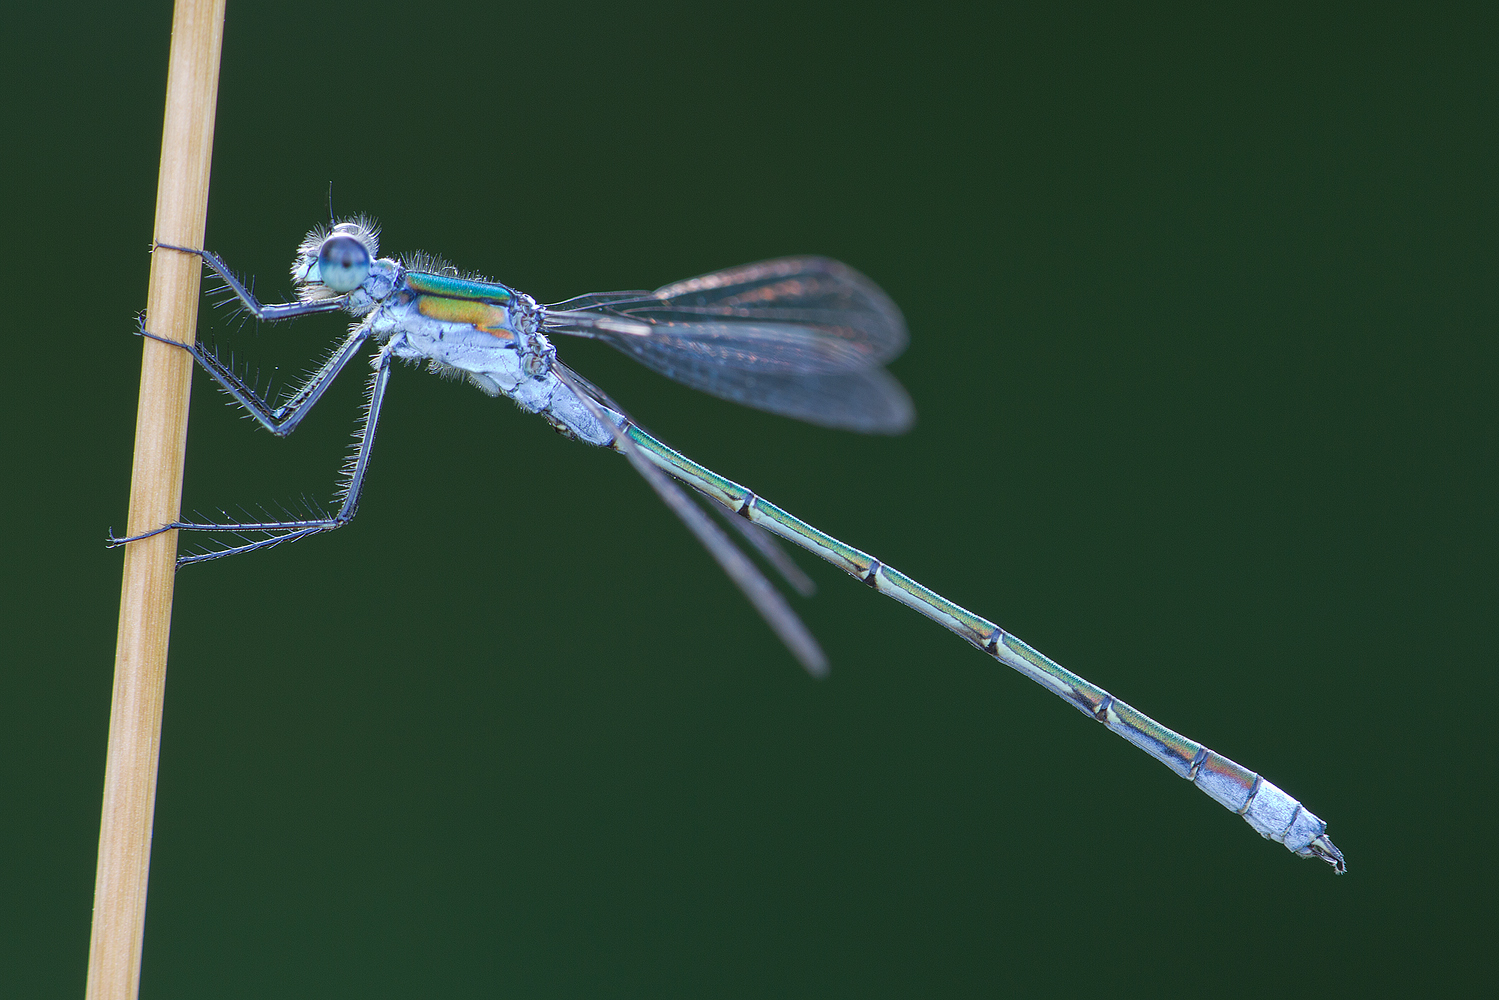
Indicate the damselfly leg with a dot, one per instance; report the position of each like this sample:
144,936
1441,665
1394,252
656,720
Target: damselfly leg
281,419
271,313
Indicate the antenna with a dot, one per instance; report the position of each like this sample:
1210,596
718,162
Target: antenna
331,220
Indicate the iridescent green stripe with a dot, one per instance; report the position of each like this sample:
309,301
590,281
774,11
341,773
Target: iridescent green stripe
452,287
1170,748
821,544
725,491
936,607
1083,695
739,499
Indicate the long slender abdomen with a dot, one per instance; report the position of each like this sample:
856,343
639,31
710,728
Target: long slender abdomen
1264,806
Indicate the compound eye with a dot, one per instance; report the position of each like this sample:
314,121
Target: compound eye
343,263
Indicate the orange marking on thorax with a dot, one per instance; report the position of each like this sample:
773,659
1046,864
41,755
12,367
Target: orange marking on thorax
488,318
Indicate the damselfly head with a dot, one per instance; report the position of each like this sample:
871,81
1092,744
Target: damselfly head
331,262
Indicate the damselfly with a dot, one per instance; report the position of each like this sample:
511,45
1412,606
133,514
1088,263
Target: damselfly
806,337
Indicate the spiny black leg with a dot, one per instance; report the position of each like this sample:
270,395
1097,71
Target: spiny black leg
275,311
283,419
293,529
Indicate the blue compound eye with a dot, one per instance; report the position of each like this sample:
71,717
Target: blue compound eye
343,263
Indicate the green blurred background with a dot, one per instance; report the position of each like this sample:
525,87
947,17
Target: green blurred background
1202,341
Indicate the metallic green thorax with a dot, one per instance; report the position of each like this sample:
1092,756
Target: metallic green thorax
453,287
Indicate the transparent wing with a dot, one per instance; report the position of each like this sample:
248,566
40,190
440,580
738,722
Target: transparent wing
801,336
